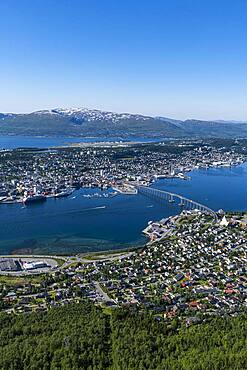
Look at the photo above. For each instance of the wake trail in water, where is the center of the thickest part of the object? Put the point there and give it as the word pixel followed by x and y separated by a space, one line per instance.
pixel 70 212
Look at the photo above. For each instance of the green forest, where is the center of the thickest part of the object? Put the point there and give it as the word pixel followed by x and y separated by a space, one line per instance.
pixel 82 336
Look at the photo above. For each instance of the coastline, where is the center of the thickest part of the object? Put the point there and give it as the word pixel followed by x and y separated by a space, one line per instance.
pixel 120 190
pixel 72 239
pixel 84 247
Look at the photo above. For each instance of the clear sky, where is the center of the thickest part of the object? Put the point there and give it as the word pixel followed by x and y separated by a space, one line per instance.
pixel 176 58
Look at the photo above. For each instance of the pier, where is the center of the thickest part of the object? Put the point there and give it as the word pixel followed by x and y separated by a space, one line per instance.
pixel 182 201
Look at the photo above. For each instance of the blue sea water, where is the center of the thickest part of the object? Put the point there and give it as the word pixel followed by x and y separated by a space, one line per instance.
pixel 80 224
pixel 12 142
pixel 219 187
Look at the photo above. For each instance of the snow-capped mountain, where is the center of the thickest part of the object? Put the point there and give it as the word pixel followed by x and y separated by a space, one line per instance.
pixel 79 122
pixel 95 115
pixel 97 123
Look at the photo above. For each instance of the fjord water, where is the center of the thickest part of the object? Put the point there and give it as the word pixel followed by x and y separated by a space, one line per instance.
pixel 80 224
pixel 219 187
pixel 13 142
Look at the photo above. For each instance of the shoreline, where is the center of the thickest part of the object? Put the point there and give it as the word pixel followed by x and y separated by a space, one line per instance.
pixel 39 247
pixel 182 176
pixel 94 251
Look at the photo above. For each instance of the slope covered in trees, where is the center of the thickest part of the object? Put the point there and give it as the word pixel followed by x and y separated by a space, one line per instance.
pixel 81 336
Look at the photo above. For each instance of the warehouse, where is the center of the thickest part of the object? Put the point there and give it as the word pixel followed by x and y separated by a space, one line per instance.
pixel 34 265
pixel 9 264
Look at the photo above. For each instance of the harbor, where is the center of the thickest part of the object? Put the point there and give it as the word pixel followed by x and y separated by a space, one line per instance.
pixel 82 224
pixel 33 175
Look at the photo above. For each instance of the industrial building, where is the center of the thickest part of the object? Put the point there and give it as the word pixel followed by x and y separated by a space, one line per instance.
pixel 9 264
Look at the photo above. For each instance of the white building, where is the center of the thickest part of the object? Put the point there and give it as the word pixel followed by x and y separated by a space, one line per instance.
pixel 34 265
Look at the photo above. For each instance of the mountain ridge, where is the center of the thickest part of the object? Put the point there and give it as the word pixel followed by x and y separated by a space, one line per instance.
pixel 87 122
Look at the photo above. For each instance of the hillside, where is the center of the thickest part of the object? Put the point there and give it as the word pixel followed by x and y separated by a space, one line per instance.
pixel 81 336
pixel 95 123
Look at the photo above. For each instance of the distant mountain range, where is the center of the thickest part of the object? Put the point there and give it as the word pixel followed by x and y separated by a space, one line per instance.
pixel 95 123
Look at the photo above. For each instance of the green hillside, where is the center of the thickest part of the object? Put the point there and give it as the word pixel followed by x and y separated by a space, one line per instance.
pixel 81 336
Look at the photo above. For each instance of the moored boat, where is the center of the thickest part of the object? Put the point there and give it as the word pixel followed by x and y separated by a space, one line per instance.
pixel 34 198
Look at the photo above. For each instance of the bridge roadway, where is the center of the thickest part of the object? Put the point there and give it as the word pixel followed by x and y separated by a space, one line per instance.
pixel 186 203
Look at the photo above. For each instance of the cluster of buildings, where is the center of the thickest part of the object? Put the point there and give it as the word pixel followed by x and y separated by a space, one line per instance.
pixel 34 175
pixel 60 287
pixel 16 266
pixel 192 267
pixel 197 270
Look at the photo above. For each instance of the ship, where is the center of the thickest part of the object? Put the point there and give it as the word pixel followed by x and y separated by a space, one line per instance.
pixel 63 193
pixel 36 198
pixel 126 190
pixel 182 176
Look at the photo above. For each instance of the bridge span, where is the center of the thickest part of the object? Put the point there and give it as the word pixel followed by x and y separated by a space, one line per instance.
pixel 182 201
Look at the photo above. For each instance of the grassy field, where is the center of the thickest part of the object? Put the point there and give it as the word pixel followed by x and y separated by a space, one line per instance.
pixel 21 280
pixel 109 253
pixel 59 261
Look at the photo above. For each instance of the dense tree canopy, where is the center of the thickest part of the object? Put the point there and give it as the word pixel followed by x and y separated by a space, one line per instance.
pixel 81 336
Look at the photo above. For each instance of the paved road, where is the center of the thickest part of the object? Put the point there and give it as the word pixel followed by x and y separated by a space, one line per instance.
pixel 103 294
pixel 105 257
pixel 51 261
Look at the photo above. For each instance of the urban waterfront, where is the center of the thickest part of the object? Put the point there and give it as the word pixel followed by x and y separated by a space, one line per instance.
pixel 82 224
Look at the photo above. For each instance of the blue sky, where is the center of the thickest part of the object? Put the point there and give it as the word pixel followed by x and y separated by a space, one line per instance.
pixel 177 58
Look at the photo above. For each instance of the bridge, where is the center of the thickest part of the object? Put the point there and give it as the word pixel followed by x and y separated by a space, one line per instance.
pixel 182 201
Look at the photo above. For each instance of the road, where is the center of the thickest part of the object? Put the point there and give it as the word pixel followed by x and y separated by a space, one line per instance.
pixel 101 293
pixel 53 264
